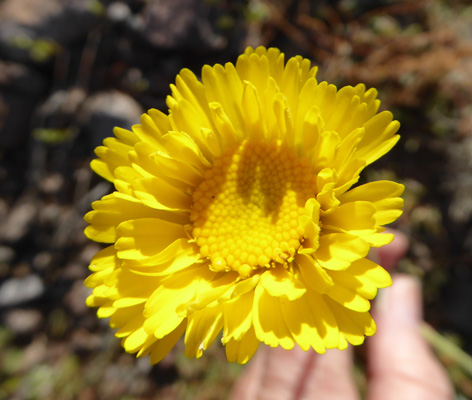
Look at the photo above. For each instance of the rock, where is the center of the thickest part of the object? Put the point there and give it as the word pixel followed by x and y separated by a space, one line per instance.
pixel 75 271
pixel 3 208
pixel 35 353
pixel 118 12
pixel 19 24
pixel 21 270
pixel 105 110
pixel 51 184
pixel 459 181
pixel 6 254
pixel 75 298
pixel 4 111
pixel 21 89
pixel 42 261
pixel 84 341
pixel 63 102
pixel 35 30
pixel 57 116
pixel 16 291
pixel 181 24
pixel 30 12
pixel 19 221
pixel 23 321
pixel 49 215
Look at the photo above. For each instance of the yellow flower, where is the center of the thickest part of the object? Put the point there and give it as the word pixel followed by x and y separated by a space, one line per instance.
pixel 235 213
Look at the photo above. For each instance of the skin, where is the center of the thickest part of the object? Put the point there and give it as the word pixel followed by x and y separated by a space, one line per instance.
pixel 400 363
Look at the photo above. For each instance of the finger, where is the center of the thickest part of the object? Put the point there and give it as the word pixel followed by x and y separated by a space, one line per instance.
pixel 275 374
pixel 390 255
pixel 278 374
pixel 248 384
pixel 331 377
pixel 401 364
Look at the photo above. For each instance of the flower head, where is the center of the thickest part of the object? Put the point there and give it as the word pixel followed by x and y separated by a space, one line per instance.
pixel 234 212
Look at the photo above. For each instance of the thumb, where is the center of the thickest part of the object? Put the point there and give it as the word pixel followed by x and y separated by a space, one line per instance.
pixel 401 364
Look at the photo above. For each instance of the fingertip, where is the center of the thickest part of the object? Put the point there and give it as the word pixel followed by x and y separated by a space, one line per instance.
pixel 390 255
pixel 400 303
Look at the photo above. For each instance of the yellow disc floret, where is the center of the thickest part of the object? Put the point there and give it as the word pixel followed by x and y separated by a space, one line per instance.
pixel 246 211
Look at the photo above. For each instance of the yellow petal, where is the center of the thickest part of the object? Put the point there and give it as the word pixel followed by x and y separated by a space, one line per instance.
pixel 174 291
pixel 153 125
pixel 161 321
pixel 345 155
pixel 358 284
pixel 106 310
pixel 242 350
pixel 283 120
pixel 159 194
pixel 342 105
pixel 189 88
pixel 127 289
pixel 291 82
pixel 384 195
pixel 181 146
pixel 104 260
pixel 143 159
pixel 224 86
pixel 366 269
pixel 349 297
pixel 175 257
pixel 268 322
pixel 224 125
pixel 241 287
pixel 378 239
pixel 136 340
pixel 356 218
pixel 323 97
pixel 146 237
pixel 161 123
pixel 326 324
pixel 113 154
pixel 313 275
pixel 202 329
pixel 324 153
pixel 127 320
pixel 354 106
pixel 177 169
pixel 379 137
pixel 354 326
pixel 254 68
pixel 302 324
pixel 311 227
pixel 326 197
pixel 278 282
pixel 252 110
pixel 185 117
pixel 208 292
pixel 338 251
pixel 108 213
pixel 237 316
pixel 162 346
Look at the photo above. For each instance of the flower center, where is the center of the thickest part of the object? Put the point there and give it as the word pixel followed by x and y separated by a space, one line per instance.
pixel 246 211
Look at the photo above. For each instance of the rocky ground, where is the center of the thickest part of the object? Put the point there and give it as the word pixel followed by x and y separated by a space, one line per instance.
pixel 71 70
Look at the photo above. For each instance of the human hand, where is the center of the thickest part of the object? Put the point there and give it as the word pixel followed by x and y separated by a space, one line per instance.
pixel 399 360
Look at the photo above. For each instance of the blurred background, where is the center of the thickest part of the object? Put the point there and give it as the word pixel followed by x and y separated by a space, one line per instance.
pixel 70 70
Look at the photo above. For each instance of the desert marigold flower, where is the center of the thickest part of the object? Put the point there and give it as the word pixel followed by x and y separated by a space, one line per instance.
pixel 235 213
